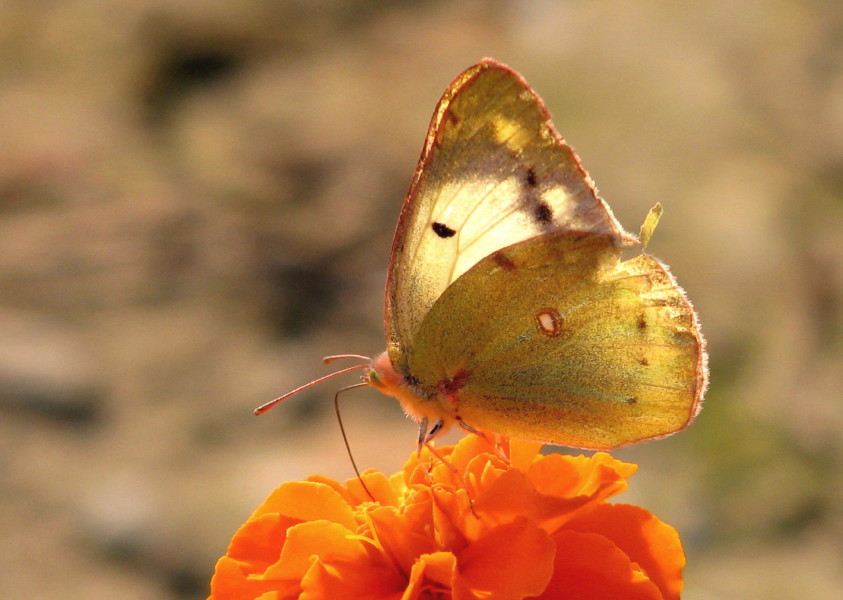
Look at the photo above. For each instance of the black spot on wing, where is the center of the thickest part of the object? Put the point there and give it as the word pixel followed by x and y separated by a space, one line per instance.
pixel 542 213
pixel 443 230
pixel 531 200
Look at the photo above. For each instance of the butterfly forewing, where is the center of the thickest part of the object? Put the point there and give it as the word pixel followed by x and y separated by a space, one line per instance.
pixel 493 172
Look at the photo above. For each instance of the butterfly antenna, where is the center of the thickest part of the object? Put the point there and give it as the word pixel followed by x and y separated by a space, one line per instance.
pixel 265 407
pixel 329 359
pixel 345 437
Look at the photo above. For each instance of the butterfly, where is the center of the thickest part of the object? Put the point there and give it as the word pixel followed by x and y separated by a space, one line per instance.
pixel 509 311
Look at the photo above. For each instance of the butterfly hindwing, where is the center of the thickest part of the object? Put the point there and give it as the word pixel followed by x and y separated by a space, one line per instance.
pixel 493 172
pixel 555 339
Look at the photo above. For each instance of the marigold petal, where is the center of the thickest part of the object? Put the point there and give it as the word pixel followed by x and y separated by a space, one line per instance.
pixel 431 573
pixel 588 566
pixel 509 496
pixel 406 535
pixel 652 544
pixel 230 582
pixel 450 464
pixel 453 521
pixel 323 539
pixel 510 562
pixel 600 475
pixel 471 447
pixel 255 546
pixel 586 481
pixel 513 494
pixel 523 453
pixel 416 472
pixel 308 501
pixel 334 485
pixel 350 579
pixel 330 562
pixel 378 484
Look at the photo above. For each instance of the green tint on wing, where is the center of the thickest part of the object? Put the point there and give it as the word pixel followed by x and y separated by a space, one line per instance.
pixel 554 339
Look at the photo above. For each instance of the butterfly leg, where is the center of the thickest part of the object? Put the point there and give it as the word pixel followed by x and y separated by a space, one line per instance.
pixel 500 443
pixel 469 428
pixel 427 435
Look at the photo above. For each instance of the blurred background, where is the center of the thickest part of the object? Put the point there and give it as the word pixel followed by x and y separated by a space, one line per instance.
pixel 197 201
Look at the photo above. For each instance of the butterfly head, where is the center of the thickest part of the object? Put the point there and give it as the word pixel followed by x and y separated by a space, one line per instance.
pixel 428 412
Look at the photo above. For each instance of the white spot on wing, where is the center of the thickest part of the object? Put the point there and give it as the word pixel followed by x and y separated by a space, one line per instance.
pixel 549 322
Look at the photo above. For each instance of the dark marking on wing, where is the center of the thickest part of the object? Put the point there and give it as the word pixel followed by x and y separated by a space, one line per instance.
pixel 443 230
pixel 631 400
pixel 644 362
pixel 531 201
pixel 542 213
pixel 450 386
pixel 449 122
pixel 412 380
pixel 642 322
pixel 503 261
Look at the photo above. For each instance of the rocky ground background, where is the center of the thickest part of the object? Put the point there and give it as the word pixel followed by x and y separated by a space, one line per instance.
pixel 197 201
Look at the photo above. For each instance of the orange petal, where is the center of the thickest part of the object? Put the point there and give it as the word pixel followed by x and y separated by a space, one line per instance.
pixel 469 448
pixel 599 476
pixel 378 484
pixel 356 579
pixel 510 562
pixel 314 539
pixel 308 501
pixel 333 484
pixel 332 563
pixel 578 482
pixel 231 583
pixel 522 453
pixel 590 567
pixel 452 518
pixel 513 494
pixel 257 544
pixel 430 574
pixel 647 541
pixel 406 535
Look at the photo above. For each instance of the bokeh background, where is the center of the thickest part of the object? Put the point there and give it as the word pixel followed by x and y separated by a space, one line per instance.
pixel 197 201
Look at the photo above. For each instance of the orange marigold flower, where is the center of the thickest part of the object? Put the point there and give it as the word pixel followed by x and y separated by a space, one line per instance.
pixel 503 523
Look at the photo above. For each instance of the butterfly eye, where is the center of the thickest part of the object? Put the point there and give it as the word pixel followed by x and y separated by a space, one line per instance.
pixel 372 378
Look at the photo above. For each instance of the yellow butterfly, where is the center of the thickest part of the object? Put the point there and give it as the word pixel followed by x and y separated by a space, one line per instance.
pixel 508 309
